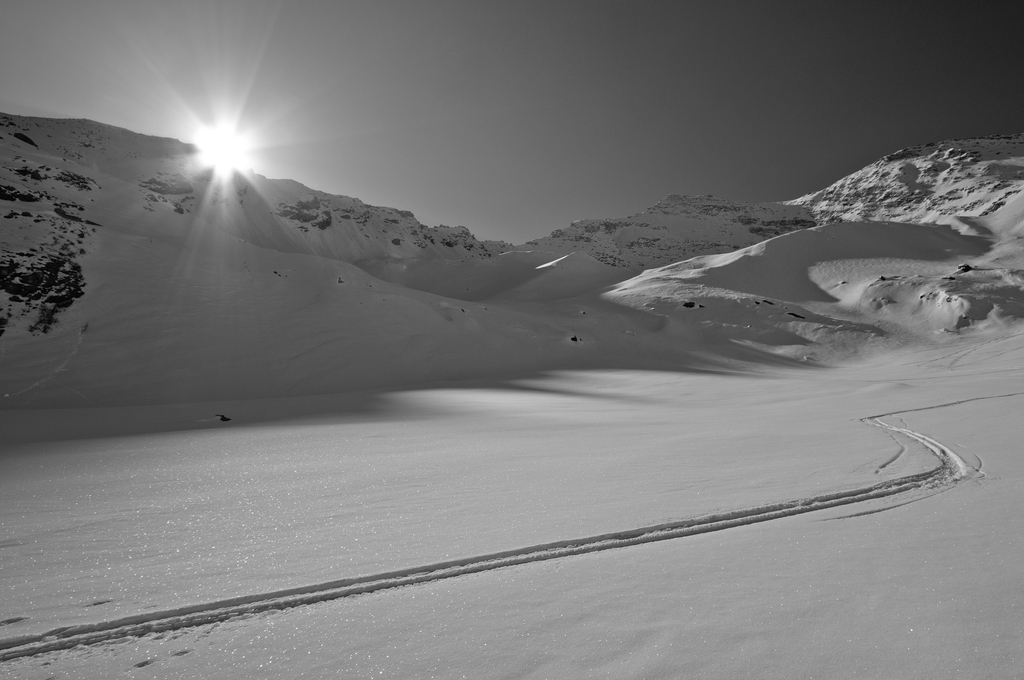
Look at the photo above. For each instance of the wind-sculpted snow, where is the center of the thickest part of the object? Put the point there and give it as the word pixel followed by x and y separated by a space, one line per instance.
pixel 949 470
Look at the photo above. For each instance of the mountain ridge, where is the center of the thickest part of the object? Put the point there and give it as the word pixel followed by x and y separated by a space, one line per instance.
pixel 129 273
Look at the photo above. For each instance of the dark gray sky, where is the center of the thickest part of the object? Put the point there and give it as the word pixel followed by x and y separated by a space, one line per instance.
pixel 514 118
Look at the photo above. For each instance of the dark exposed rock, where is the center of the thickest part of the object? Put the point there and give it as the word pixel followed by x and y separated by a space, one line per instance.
pixel 25 138
pixel 52 281
pixel 169 185
pixel 75 180
pixel 66 215
pixel 9 193
pixel 31 173
pixel 308 212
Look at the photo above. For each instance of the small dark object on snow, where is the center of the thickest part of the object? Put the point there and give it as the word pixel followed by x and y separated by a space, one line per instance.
pixel 575 339
pixel 796 315
pixel 964 268
pixel 223 418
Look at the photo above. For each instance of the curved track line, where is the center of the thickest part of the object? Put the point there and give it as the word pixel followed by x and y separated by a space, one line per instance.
pixel 894 458
pixel 951 469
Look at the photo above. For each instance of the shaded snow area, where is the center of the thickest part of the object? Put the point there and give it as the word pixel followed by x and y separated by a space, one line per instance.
pixel 253 430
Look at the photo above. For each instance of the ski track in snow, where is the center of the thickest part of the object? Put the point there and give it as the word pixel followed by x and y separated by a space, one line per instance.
pixel 950 470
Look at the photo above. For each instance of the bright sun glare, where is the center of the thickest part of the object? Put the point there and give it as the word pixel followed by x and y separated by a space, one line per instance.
pixel 224 148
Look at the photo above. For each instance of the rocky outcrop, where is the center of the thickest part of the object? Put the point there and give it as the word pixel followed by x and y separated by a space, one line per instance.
pixel 46 283
pixel 167 184
pixel 306 212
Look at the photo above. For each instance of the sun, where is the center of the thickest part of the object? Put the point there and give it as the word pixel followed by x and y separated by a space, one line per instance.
pixel 224 148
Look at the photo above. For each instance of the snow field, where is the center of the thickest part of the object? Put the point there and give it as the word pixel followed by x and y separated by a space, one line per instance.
pixel 549 497
pixel 924 590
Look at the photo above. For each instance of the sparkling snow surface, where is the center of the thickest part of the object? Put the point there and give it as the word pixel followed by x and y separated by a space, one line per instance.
pixel 922 590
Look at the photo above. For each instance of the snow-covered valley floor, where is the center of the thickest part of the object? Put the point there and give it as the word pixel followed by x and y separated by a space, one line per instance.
pixel 156 510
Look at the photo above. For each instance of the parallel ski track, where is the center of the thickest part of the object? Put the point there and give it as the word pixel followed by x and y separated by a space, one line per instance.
pixel 950 469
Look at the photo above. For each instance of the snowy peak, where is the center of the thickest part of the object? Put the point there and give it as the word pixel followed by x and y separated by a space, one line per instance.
pixel 933 182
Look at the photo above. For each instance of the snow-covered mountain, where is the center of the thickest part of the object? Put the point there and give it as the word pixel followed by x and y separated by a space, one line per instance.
pixel 129 273
pixel 936 182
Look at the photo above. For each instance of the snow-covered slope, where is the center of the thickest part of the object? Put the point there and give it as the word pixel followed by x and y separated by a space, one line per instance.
pixel 676 228
pixel 935 182
pixel 922 243
pixel 840 286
